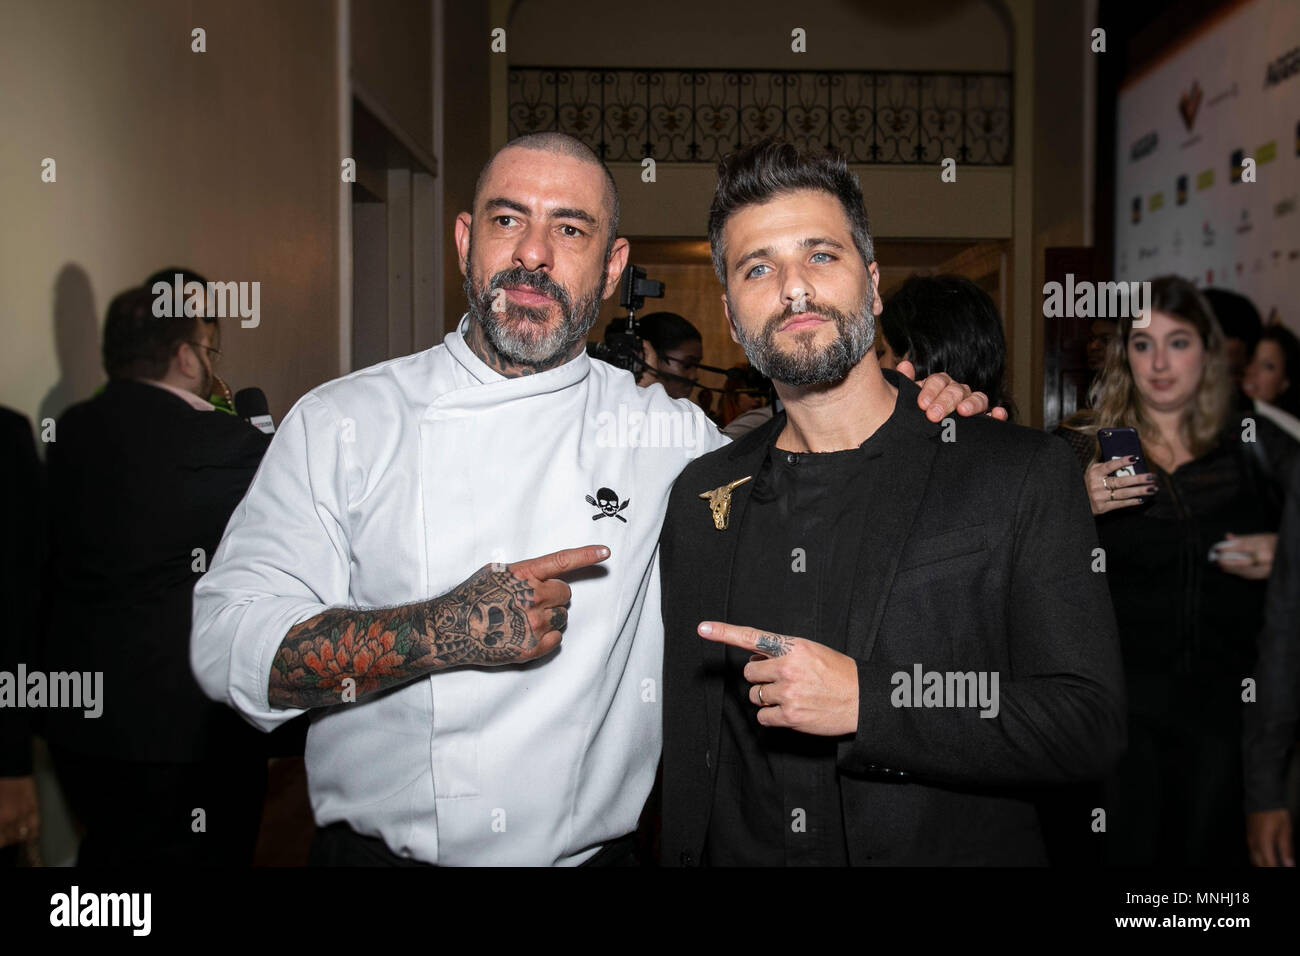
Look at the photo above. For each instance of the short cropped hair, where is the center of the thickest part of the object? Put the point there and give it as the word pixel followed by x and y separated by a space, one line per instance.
pixel 770 168
pixel 139 344
pixel 563 144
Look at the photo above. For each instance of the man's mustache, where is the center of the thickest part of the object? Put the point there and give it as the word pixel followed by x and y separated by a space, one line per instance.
pixel 537 281
pixel 825 311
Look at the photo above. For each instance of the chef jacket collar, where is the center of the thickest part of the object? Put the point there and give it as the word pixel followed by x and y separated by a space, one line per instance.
pixel 562 376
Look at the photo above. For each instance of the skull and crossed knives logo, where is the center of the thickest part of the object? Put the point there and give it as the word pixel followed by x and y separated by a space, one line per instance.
pixel 607 501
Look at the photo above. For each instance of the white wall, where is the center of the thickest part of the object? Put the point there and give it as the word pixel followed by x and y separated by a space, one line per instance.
pixel 224 161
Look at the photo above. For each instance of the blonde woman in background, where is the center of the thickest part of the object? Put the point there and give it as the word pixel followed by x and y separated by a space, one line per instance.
pixel 1188 549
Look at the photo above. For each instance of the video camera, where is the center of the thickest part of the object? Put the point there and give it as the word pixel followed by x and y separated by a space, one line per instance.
pixel 622 345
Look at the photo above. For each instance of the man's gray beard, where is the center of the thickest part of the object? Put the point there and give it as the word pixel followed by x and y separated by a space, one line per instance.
pixel 511 341
pixel 808 366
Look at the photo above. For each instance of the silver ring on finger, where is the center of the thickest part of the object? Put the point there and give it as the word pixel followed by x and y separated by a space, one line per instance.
pixel 1105 483
pixel 761 702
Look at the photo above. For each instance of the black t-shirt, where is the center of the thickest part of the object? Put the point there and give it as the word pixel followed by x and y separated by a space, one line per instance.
pixel 777 800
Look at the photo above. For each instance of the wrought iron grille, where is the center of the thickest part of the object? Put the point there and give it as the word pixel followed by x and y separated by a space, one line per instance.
pixel 680 115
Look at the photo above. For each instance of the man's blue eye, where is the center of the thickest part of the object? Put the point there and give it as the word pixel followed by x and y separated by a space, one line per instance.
pixel 751 272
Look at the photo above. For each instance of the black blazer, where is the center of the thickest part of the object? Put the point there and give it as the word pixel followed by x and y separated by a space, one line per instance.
pixel 137 481
pixel 21 550
pixel 979 558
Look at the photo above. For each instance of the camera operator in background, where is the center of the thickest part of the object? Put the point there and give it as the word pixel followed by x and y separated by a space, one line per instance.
pixel 142 480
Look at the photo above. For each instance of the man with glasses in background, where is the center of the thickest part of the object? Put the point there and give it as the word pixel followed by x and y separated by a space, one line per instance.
pixel 142 480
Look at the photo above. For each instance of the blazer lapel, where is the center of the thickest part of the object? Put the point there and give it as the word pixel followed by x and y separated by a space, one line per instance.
pixel 743 458
pixel 899 491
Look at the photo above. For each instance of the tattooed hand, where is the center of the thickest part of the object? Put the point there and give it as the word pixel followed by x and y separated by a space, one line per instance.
pixel 508 614
pixel 798 683
pixel 502 614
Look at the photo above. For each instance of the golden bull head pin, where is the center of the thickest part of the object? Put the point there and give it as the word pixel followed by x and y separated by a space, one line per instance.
pixel 720 502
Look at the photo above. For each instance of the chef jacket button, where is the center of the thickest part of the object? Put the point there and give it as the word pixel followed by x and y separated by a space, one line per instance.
pixel 687 859
pixel 792 458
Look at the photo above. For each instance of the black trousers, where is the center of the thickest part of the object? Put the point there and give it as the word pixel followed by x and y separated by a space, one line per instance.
pixel 339 845
pixel 144 814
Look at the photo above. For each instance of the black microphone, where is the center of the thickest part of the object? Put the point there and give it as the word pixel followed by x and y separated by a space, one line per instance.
pixel 250 405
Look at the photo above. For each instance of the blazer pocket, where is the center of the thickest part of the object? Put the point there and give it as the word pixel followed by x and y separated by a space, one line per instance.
pixel 922 552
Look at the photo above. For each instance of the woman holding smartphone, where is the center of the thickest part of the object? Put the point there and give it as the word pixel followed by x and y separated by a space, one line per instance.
pixel 1188 542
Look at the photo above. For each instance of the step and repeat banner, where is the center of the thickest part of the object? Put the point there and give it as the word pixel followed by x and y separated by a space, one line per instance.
pixel 1208 171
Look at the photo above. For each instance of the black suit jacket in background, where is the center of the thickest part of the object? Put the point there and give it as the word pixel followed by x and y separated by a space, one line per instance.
pixel 21 553
pixel 978 559
pixel 138 480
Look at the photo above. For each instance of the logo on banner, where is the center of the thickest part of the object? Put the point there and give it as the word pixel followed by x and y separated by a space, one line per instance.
pixel 1283 68
pixel 1144 146
pixel 1244 225
pixel 1189 103
pixel 1136 215
pixel 1181 191
pixel 1207 234
pixel 1284 208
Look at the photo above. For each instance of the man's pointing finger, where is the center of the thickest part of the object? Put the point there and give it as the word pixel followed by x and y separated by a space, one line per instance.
pixel 570 559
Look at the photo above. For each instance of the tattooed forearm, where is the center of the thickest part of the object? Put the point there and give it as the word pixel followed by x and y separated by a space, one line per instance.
pixel 484 620
pixel 773 645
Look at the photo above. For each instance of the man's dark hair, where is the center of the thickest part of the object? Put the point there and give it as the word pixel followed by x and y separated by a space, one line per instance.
pixel 169 276
pixel 667 330
pixel 1289 400
pixel 1237 316
pixel 139 344
pixel 947 323
pixel 770 168
pixel 562 144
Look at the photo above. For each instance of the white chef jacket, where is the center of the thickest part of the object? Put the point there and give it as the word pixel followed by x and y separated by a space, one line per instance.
pixel 393 485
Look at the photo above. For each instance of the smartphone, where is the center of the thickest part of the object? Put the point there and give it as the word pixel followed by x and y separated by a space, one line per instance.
pixel 1122 443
